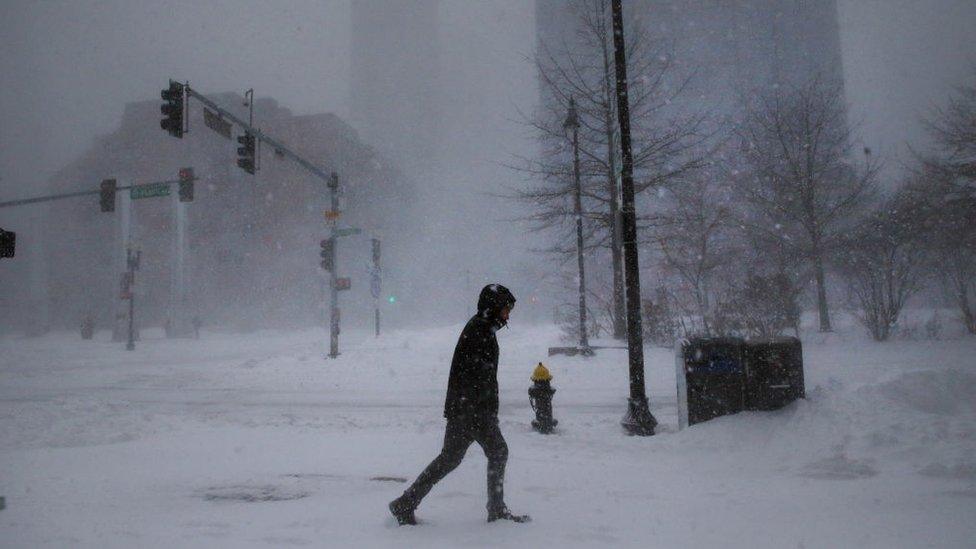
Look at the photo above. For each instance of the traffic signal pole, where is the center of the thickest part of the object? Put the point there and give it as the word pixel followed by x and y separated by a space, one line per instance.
pixel 124 243
pixel 249 161
pixel 375 283
pixel 179 323
pixel 25 201
pixel 261 136
pixel 109 197
pixel 132 264
pixel 52 197
pixel 376 310
pixel 333 278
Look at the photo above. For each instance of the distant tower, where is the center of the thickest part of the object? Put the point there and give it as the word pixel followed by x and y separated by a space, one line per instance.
pixel 395 68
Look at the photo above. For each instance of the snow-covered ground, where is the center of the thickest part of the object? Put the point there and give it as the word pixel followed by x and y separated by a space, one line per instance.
pixel 256 440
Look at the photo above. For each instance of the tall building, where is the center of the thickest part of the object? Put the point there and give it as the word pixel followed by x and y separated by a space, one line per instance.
pixel 433 84
pixel 394 78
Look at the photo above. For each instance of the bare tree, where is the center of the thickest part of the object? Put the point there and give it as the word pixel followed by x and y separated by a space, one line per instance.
pixel 760 306
pixel 954 130
pixel 802 186
pixel 882 262
pixel 693 238
pixel 958 268
pixel 944 194
pixel 581 68
pixel 943 211
pixel 661 323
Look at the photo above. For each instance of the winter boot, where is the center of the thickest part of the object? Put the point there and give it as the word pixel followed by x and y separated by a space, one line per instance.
pixel 402 512
pixel 505 514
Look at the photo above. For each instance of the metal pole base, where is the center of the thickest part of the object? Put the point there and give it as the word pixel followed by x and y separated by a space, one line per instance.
pixel 638 421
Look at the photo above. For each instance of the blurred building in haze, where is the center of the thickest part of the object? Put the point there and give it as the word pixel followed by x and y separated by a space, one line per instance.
pixel 395 79
pixel 252 256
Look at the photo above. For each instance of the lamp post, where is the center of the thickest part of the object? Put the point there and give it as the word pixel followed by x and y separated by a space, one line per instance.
pixel 249 102
pixel 572 123
pixel 638 420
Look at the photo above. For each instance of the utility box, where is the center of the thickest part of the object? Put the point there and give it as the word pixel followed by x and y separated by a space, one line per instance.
pixel 722 376
pixel 711 379
pixel 774 373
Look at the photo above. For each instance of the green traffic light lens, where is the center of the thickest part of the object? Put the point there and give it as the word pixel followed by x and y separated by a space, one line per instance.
pixel 392 299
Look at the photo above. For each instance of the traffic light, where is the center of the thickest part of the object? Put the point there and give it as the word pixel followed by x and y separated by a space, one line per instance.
pixel 186 184
pixel 106 196
pixel 246 152
pixel 8 243
pixel 328 254
pixel 172 109
pixel 376 252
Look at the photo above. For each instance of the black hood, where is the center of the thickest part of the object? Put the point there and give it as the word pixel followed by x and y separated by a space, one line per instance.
pixel 494 298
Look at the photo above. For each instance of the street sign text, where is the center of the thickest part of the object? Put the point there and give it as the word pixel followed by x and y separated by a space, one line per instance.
pixel 149 191
pixel 348 231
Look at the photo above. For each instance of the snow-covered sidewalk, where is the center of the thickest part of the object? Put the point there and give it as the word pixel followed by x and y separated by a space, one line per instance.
pixel 256 440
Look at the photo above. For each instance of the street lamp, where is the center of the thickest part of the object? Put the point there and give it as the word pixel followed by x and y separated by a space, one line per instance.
pixel 572 123
pixel 249 102
pixel 638 420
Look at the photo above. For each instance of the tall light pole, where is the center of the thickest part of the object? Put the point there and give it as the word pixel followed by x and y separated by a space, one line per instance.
pixel 376 282
pixel 572 123
pixel 249 102
pixel 638 420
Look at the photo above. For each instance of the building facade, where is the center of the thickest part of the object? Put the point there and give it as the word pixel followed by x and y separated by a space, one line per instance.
pixel 252 242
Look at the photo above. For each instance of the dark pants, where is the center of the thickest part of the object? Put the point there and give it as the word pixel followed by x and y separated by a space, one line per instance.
pixel 460 433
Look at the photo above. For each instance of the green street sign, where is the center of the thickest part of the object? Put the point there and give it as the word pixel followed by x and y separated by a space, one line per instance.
pixel 348 232
pixel 149 191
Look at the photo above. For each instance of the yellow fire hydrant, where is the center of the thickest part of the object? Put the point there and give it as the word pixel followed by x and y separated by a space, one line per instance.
pixel 540 397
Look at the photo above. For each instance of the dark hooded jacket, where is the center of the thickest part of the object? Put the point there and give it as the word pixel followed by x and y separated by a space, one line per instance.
pixel 472 389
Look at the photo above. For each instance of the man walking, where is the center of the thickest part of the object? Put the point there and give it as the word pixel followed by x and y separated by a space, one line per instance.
pixel 471 409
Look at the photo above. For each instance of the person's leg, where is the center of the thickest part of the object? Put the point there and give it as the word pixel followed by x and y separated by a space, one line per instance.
pixel 457 438
pixel 496 450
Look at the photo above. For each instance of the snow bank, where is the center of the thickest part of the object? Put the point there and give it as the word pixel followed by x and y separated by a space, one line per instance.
pixel 257 440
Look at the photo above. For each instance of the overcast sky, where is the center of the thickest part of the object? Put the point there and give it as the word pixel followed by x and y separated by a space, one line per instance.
pixel 902 58
pixel 68 67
